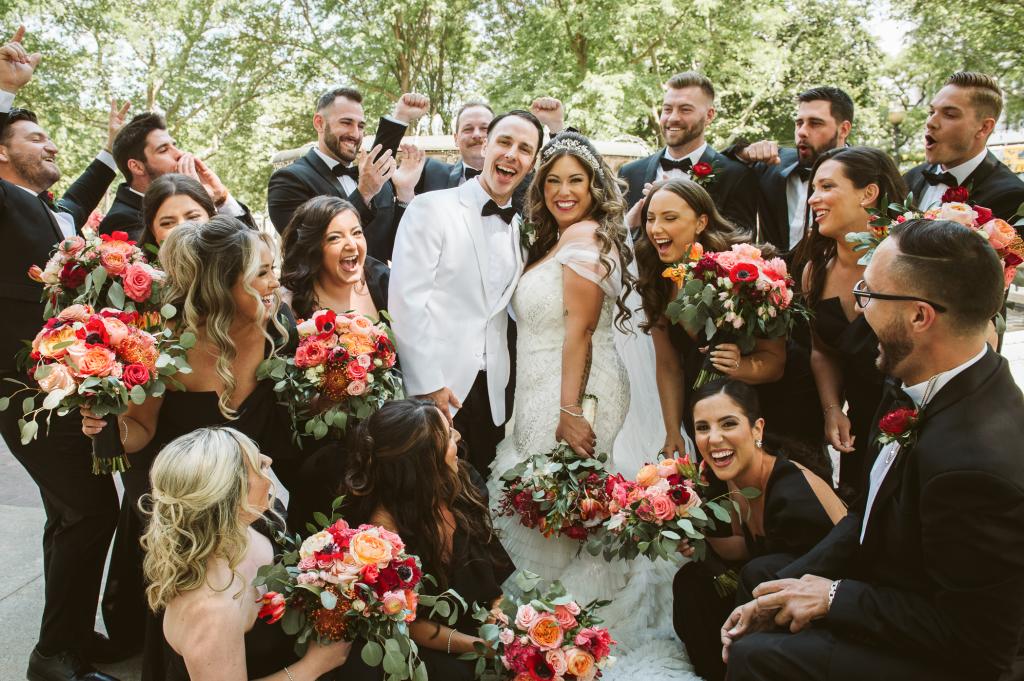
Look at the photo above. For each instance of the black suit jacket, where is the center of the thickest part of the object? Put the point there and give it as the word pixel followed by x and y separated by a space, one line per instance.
pixel 439 175
pixel 992 185
pixel 774 203
pixel 940 575
pixel 309 176
pixel 28 233
pixel 734 189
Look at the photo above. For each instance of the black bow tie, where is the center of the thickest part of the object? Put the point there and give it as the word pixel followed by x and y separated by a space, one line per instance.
pixel 469 173
pixel 342 169
pixel 670 164
pixel 896 396
pixel 934 178
pixel 506 214
pixel 805 173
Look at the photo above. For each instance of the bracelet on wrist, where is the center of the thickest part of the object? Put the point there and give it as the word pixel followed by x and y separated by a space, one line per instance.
pixel 450 634
pixel 289 673
pixel 829 408
pixel 564 410
pixel 123 425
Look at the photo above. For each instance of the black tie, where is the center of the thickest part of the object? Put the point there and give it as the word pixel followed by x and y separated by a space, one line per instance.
pixel 805 173
pixel 933 178
pixel 506 214
pixel 670 164
pixel 341 169
pixel 469 173
pixel 895 396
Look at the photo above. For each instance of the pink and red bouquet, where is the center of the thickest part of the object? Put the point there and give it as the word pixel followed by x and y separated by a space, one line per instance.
pixel 345 583
pixel 106 270
pixel 545 636
pixel 999 233
pixel 102 360
pixel 735 296
pixel 343 368
pixel 663 505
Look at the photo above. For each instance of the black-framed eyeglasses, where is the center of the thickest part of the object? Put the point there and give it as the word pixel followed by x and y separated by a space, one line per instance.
pixel 862 297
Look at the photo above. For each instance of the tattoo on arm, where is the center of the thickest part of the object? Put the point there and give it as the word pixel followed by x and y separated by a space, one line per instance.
pixel 586 371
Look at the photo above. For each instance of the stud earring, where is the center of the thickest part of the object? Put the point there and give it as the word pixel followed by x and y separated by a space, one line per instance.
pixel 757 443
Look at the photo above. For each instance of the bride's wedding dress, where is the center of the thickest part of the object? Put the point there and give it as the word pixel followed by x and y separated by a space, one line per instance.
pixel 640 615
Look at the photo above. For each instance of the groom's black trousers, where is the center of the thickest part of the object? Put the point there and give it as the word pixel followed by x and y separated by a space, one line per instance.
pixel 475 424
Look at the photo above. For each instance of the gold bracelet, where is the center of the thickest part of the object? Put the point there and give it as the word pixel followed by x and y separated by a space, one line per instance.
pixel 289 673
pixel 829 408
pixel 572 413
pixel 450 634
pixel 124 431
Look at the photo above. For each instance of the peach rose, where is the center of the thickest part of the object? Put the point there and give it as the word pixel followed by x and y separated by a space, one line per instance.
pixel 545 632
pixel 526 616
pixel 75 313
pixel 565 618
pixel 360 325
pixel 46 341
pixel 72 245
pixel 356 343
pixel 356 388
pixel 647 475
pixel 369 549
pixel 958 212
pixel 663 507
pixel 579 662
pixel 1000 233
pixel 393 602
pixel 116 330
pixel 115 263
pixel 94 361
pixel 556 660
pixel 137 282
pixel 667 467
pixel 306 328
pixel 58 378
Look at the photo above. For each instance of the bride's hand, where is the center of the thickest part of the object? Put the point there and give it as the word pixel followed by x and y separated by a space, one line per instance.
pixel 577 433
pixel 675 445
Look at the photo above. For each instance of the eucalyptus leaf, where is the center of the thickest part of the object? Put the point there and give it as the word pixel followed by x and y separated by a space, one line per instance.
pixel 115 294
pixel 372 654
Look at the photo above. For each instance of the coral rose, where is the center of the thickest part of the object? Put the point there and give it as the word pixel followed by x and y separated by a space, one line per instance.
pixel 579 662
pixel 355 371
pixel 311 352
pixel 368 548
pixel 92 361
pixel 545 632
pixel 647 475
pixel 58 378
pixel 135 374
pixel 663 508
pixel 565 618
pixel 71 245
pixel 113 262
pixel 137 282
pixel 47 340
pixel 1000 233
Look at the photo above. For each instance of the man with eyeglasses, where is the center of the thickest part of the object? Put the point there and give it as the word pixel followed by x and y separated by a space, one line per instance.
pixel 924 579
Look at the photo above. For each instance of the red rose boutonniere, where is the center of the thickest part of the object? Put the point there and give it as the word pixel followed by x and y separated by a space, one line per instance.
pixel 702 173
pixel 956 195
pixel 47 197
pixel 898 426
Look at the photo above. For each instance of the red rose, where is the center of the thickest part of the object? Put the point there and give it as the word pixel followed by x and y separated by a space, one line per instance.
pixel 575 532
pixel 135 374
pixel 702 169
pixel 984 214
pixel 955 195
pixel 898 421
pixel 1012 260
pixel 72 276
pixel 742 272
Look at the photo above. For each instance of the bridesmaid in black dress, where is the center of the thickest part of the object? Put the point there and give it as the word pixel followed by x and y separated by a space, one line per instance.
pixel 796 509
pixel 169 201
pixel 405 475
pixel 208 533
pixel 844 184
pixel 325 265
pixel 221 279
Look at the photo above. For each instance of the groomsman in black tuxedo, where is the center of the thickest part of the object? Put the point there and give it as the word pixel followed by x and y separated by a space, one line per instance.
pixel 144 150
pixel 824 117
pixel 328 169
pixel 958 166
pixel 81 508
pixel 688 107
pixel 924 580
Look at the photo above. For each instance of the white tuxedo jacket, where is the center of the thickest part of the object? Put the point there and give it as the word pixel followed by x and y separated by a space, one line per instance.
pixel 445 318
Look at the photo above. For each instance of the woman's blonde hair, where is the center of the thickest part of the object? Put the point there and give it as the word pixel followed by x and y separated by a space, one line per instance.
pixel 198 510
pixel 203 262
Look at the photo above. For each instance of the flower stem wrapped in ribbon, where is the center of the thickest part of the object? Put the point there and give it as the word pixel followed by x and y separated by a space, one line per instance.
pixel 345 583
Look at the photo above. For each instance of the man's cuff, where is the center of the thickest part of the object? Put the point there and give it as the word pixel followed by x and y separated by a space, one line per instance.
pixel 392 119
pixel 104 157
pixel 6 101
pixel 232 208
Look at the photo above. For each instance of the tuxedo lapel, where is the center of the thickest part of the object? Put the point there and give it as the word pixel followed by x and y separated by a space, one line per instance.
pixel 651 172
pixel 473 224
pixel 54 225
pixel 318 165
pixel 916 183
pixel 455 176
pixel 982 172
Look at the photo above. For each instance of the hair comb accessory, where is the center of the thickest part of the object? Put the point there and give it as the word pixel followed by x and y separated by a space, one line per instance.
pixel 575 148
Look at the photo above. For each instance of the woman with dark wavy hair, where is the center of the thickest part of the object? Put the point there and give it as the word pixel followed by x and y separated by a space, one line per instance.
pixel 404 474
pixel 325 262
pixel 844 184
pixel 170 200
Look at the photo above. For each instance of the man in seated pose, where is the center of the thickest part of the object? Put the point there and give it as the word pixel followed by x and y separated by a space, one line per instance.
pixel 925 580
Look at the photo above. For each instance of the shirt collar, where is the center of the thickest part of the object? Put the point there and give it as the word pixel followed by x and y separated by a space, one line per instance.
pixel 694 155
pixel 917 392
pixel 331 162
pixel 135 191
pixel 964 170
pixel 480 194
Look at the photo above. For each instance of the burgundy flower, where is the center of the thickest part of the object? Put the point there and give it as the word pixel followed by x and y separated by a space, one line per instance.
pixel 72 276
pixel 984 214
pixel 898 421
pixel 955 195
pixel 702 169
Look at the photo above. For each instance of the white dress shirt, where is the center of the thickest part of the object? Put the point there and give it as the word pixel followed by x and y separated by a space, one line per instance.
pixel 921 396
pixel 348 185
pixel 932 195
pixel 796 201
pixel 694 157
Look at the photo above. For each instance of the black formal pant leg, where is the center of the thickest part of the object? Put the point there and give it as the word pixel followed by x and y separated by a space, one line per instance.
pixel 761 569
pixel 698 612
pixel 81 513
pixel 476 425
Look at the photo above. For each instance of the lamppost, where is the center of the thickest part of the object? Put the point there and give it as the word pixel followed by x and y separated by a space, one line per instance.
pixel 896 117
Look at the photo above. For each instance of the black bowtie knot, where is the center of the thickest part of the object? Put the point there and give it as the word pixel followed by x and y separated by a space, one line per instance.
pixel 895 396
pixel 933 178
pixel 671 164
pixel 469 173
pixel 342 169
pixel 804 172
pixel 492 208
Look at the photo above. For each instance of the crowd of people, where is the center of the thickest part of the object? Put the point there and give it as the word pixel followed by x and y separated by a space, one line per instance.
pixel 517 280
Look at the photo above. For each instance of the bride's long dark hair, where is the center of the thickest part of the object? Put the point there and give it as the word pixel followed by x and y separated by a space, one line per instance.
pixel 608 211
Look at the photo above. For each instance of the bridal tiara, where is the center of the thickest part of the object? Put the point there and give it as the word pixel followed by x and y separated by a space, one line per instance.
pixel 576 149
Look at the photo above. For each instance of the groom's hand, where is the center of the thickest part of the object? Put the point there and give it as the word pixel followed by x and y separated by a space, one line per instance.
pixel 443 398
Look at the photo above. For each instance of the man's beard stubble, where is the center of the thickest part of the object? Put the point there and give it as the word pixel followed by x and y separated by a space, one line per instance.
pixel 895 346
pixel 34 170
pixel 332 142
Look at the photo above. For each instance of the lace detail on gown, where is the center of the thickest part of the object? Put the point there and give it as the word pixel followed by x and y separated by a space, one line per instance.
pixel 640 616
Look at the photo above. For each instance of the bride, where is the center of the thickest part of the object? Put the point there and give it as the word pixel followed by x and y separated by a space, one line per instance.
pixel 568 306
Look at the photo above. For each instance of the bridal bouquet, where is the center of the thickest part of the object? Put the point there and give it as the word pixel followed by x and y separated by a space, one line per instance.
pixel 653 513
pixel 107 270
pixel 345 583
pixel 542 635
pixel 999 233
pixel 734 296
pixel 344 367
pixel 103 361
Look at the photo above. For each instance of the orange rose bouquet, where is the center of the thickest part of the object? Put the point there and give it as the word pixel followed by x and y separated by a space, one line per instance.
pixel 541 635
pixel 345 583
pixel 106 270
pixel 342 369
pixel 104 361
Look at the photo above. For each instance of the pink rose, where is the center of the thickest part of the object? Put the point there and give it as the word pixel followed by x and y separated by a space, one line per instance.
pixel 355 371
pixel 360 324
pixel 667 467
pixel 58 378
pixel 137 282
pixel 958 212
pixel 566 620
pixel 664 508
pixel 393 602
pixel 311 352
pixel 94 361
pixel 526 616
pixel 556 660
pixel 1000 233
pixel 506 636
pixel 364 361
pixel 356 388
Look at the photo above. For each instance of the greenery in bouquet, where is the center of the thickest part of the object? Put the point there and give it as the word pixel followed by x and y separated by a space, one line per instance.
pixel 342 369
pixel 346 583
pixel 541 635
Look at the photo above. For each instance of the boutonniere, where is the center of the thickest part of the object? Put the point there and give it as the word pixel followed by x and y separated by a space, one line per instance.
pixel 47 197
pixel 899 425
pixel 956 195
pixel 702 173
pixel 527 234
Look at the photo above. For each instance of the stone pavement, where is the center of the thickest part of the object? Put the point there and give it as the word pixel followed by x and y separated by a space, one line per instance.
pixel 21 559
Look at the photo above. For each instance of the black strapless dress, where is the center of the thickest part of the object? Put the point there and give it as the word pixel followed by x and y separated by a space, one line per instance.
pixel 857 347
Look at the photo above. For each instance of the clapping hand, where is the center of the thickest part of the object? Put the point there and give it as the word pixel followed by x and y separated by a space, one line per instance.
pixel 548 111
pixel 375 169
pixel 16 64
pixel 633 216
pixel 408 172
pixel 410 107
pixel 764 151
pixel 115 121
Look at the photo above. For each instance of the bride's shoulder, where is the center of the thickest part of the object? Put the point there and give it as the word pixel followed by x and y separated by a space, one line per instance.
pixel 585 230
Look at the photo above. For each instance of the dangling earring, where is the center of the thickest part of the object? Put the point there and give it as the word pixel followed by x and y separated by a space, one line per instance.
pixel 757 443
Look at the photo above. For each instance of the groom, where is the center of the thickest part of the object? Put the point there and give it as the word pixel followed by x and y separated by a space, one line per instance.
pixel 457 260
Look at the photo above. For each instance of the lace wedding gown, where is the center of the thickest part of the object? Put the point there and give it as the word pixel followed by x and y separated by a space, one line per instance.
pixel 640 614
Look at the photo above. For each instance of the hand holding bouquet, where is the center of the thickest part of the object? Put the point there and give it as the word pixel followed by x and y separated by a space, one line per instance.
pixel 541 636
pixel 343 368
